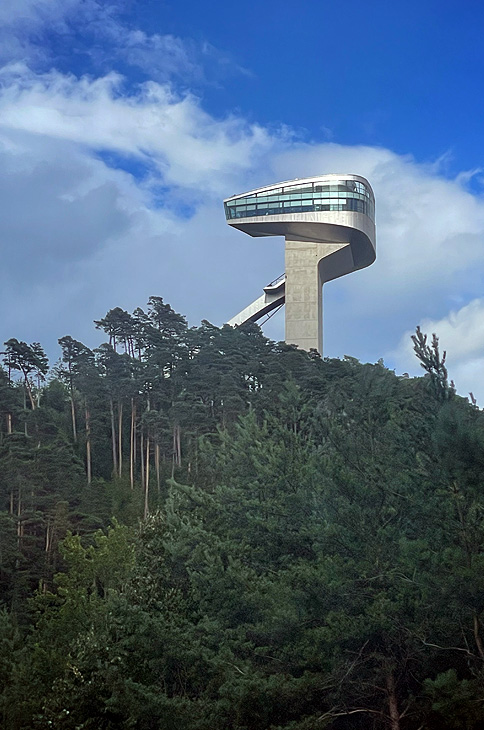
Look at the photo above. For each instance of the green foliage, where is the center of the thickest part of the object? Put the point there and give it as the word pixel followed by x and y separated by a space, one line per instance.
pixel 312 549
pixel 455 703
pixel 433 363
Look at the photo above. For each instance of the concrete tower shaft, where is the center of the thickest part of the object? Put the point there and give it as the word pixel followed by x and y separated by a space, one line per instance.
pixel 329 230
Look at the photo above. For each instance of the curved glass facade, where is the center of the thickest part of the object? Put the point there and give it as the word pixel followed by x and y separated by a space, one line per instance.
pixel 304 197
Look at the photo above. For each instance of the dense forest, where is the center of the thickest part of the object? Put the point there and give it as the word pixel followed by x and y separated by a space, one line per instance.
pixel 204 530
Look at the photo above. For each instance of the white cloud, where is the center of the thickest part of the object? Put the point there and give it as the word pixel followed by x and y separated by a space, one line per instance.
pixel 78 235
pixel 100 35
pixel 23 24
pixel 83 235
pixel 162 57
pixel 172 132
pixel 36 11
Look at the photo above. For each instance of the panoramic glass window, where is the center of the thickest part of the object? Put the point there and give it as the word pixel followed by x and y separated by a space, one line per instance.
pixel 304 197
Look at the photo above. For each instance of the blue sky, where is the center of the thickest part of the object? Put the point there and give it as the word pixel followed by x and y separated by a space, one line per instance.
pixel 404 77
pixel 124 124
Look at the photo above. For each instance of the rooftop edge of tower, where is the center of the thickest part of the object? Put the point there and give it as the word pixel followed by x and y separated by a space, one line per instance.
pixel 329 177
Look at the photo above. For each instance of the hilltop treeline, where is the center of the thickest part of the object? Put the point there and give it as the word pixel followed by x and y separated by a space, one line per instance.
pixel 204 530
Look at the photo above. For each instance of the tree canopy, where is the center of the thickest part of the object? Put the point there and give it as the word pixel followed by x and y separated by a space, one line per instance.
pixel 203 529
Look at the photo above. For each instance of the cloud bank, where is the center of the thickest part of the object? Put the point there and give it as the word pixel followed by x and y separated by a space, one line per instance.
pixel 111 191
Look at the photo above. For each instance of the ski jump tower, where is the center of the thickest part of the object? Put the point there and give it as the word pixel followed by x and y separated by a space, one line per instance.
pixel 328 223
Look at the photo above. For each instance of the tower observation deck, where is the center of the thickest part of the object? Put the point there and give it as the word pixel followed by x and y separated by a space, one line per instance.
pixel 328 223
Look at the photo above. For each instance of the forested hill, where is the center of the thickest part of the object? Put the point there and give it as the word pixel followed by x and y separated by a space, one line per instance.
pixel 204 530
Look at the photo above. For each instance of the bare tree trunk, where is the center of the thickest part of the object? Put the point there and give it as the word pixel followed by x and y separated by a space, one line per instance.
pixel 19 521
pixel 178 445
pixel 25 410
pixel 73 417
pixel 157 467
pixel 88 446
pixel 48 542
pixel 113 438
pixel 176 448
pixel 135 439
pixel 147 476
pixel 38 392
pixel 142 459
pixel 477 636
pixel 392 701
pixel 120 438
pixel 29 392
pixel 132 444
pixel 173 453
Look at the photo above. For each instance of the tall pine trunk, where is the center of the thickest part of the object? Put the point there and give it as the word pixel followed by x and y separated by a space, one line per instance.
pixel 120 438
pixel 157 467
pixel 19 520
pixel 176 448
pixel 145 463
pixel 113 438
pixel 132 443
pixel 392 701
pixel 25 410
pixel 73 417
pixel 147 477
pixel 29 392
pixel 477 635
pixel 142 459
pixel 88 444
